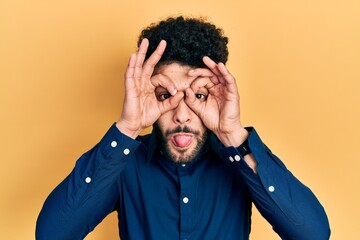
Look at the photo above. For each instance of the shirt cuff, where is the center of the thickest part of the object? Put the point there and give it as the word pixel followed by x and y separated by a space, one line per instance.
pixel 115 144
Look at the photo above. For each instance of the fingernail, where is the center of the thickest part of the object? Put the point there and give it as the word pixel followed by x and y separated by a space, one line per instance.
pixel 174 92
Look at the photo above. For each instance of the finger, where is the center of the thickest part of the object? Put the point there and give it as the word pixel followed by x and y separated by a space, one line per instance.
pixel 230 81
pixel 192 101
pixel 171 102
pixel 129 74
pixel 213 66
pixel 203 72
pixel 196 105
pixel 202 82
pixel 226 75
pixel 140 57
pixel 160 80
pixel 131 66
pixel 154 58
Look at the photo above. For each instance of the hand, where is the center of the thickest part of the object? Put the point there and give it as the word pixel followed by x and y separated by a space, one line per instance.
pixel 141 107
pixel 220 112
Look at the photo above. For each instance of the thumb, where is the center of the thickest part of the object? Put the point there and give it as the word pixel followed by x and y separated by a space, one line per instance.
pixel 171 102
pixel 192 101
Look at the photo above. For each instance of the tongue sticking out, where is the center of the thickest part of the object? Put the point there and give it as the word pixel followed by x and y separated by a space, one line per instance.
pixel 182 140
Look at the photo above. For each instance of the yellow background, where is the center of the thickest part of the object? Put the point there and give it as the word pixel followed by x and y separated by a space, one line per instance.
pixel 62 62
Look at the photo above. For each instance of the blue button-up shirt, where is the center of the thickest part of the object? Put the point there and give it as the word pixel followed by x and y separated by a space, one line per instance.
pixel 209 198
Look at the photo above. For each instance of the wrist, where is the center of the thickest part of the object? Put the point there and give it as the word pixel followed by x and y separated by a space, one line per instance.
pixel 234 138
pixel 124 129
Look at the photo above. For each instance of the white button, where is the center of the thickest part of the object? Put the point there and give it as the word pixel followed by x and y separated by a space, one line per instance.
pixel 231 158
pixel 126 151
pixel 183 165
pixel 237 158
pixel 271 189
pixel 185 200
pixel 88 179
pixel 113 144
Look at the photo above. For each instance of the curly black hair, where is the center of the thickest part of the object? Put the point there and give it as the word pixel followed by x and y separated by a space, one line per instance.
pixel 188 41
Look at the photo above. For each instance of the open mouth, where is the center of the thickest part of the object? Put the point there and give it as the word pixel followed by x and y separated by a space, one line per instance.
pixel 181 140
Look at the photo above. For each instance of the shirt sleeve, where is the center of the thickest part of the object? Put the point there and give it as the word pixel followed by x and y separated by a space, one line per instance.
pixel 288 205
pixel 89 193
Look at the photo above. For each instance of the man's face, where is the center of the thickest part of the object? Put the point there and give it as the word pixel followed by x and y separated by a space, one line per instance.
pixel 181 132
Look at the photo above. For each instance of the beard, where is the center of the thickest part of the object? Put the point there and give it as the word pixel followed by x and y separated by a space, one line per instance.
pixel 181 156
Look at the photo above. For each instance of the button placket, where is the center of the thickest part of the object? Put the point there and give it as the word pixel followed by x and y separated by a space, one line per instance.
pixel 126 151
pixel 113 144
pixel 185 202
pixel 88 179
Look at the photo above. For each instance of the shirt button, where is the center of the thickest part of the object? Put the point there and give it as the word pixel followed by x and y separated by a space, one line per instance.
pixel 183 165
pixel 88 179
pixel 237 158
pixel 113 144
pixel 231 158
pixel 126 151
pixel 271 189
pixel 185 200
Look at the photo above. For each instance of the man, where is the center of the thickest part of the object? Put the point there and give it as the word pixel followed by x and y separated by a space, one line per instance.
pixel 196 175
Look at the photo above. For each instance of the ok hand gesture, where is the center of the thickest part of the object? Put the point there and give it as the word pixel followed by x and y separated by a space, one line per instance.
pixel 221 111
pixel 141 108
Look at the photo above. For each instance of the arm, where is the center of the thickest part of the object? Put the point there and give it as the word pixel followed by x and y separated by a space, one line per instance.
pixel 221 111
pixel 90 192
pixel 288 205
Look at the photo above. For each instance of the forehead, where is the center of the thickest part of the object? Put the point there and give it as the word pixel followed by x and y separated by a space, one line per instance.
pixel 178 74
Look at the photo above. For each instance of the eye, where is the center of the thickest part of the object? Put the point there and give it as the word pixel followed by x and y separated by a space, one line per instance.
pixel 200 96
pixel 164 96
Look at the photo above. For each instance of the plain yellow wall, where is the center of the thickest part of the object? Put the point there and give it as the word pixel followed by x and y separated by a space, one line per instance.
pixel 297 64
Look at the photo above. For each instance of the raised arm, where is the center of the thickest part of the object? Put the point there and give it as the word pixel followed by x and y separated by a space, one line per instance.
pixel 288 205
pixel 221 111
pixel 90 192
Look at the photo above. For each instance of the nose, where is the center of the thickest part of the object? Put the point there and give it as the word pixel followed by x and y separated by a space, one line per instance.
pixel 182 113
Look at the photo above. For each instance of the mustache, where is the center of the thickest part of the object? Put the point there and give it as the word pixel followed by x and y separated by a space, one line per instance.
pixel 180 129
